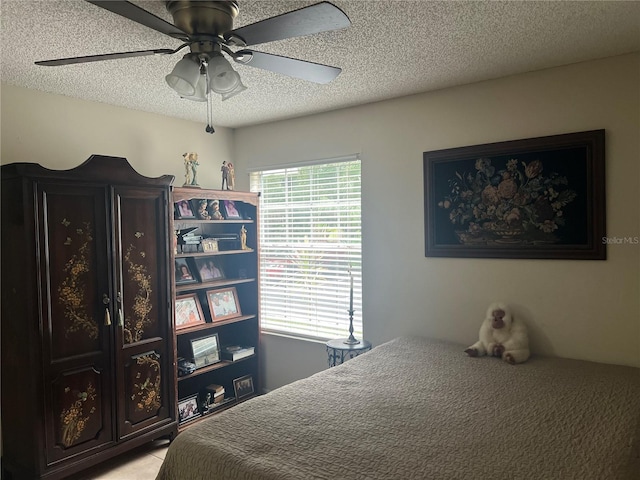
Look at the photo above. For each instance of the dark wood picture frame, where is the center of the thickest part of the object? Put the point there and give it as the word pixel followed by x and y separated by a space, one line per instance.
pixel 188 409
pixel 209 270
pixel 183 209
pixel 185 277
pixel 224 303
pixel 188 311
pixel 533 198
pixel 205 350
pixel 243 387
pixel 231 210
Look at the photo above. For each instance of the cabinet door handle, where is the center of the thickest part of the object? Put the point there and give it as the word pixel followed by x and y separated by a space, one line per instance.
pixel 107 316
pixel 120 314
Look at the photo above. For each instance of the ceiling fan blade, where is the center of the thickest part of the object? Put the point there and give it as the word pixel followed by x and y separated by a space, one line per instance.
pixel 107 56
pixel 313 72
pixel 141 16
pixel 321 17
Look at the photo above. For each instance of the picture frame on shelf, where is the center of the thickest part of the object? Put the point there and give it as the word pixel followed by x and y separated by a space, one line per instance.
pixel 188 409
pixel 243 387
pixel 538 197
pixel 208 269
pixel 188 311
pixel 231 210
pixel 223 303
pixel 183 210
pixel 209 245
pixel 184 272
pixel 206 350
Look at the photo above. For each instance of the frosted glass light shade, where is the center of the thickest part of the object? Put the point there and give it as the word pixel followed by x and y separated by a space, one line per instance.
pixel 184 77
pixel 239 88
pixel 200 94
pixel 223 78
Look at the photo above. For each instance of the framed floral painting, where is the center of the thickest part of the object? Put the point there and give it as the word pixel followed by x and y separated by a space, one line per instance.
pixel 533 198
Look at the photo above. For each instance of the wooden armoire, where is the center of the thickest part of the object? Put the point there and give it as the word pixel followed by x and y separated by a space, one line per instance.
pixel 88 353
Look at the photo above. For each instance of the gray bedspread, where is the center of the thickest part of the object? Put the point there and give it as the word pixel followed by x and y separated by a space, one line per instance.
pixel 415 408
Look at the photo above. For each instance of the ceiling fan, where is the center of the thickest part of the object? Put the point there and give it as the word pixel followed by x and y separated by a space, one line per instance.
pixel 206 27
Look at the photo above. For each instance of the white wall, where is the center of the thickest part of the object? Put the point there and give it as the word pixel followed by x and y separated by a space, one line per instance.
pixel 60 133
pixel 579 309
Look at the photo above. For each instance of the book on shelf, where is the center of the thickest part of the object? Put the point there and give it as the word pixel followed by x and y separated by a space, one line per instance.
pixel 213 394
pixel 214 406
pixel 214 389
pixel 236 352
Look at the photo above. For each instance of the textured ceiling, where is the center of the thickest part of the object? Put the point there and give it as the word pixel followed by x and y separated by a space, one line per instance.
pixel 393 48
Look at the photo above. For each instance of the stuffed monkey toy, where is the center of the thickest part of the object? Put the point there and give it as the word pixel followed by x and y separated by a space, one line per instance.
pixel 501 335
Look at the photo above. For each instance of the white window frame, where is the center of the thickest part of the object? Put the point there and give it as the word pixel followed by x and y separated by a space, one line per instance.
pixel 295 300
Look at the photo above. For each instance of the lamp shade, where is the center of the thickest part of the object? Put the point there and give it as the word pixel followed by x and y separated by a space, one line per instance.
pixel 184 77
pixel 239 88
pixel 223 78
pixel 200 94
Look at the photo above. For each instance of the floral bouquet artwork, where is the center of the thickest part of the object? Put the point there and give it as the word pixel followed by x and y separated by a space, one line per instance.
pixel 518 202
pixel 538 197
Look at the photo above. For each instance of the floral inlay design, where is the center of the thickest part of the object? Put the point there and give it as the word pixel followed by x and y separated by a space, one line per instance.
pixel 516 204
pixel 74 418
pixel 135 324
pixel 146 393
pixel 71 290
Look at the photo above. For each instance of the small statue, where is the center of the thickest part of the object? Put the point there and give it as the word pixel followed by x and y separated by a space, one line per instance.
pixel 187 171
pixel 214 207
pixel 243 239
pixel 206 404
pixel 202 210
pixel 191 169
pixel 225 175
pixel 231 178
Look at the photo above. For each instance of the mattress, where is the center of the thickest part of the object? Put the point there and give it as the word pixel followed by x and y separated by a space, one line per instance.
pixel 416 408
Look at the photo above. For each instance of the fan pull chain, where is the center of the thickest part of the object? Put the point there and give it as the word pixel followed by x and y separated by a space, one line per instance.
pixel 209 128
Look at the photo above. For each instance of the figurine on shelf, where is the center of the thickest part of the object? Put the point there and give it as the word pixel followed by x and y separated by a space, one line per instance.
pixel 231 178
pixel 191 169
pixel 225 175
pixel 206 403
pixel 243 239
pixel 214 208
pixel 202 210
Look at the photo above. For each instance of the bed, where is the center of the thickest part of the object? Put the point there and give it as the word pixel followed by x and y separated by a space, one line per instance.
pixel 415 408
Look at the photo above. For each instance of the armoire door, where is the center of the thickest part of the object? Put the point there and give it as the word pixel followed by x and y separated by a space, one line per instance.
pixel 144 362
pixel 74 291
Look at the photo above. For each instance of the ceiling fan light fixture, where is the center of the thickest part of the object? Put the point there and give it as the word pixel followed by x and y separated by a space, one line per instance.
pixel 185 76
pixel 200 94
pixel 239 88
pixel 223 79
pixel 206 27
pixel 225 83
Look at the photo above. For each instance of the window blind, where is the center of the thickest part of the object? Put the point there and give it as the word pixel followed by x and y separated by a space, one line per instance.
pixel 310 244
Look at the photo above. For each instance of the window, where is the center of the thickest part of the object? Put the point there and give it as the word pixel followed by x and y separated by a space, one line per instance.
pixel 310 244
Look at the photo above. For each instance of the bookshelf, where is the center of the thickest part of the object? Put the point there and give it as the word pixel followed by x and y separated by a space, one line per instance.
pixel 227 272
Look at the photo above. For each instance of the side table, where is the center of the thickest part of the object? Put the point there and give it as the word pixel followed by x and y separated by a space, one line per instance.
pixel 339 351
